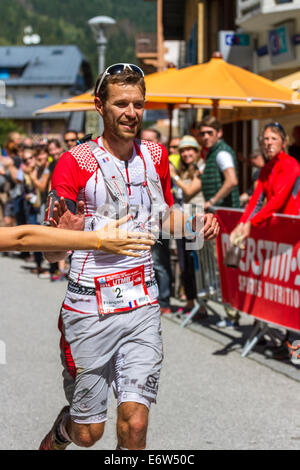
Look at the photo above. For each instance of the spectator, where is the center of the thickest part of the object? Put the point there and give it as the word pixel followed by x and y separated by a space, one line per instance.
pixel 70 139
pixel 27 176
pixel 257 161
pixel 174 156
pixel 151 134
pixel 27 142
pixel 14 210
pixel 195 132
pixel 219 183
pixel 40 177
pixel 161 250
pixel 3 189
pixel 55 150
pixel 278 183
pixel 188 180
pixel 277 191
pixel 294 149
pixel 80 135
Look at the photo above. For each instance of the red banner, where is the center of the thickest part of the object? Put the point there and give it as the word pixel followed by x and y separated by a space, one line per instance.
pixel 267 282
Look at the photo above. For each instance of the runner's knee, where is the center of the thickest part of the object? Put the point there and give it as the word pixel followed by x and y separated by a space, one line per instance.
pixel 86 435
pixel 132 425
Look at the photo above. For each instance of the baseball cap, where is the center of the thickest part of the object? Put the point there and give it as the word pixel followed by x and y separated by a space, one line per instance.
pixel 188 141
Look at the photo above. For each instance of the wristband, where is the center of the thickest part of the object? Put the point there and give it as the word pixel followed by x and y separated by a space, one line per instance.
pixel 176 177
pixel 99 240
pixel 212 201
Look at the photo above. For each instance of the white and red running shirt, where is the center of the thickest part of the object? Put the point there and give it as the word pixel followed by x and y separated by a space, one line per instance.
pixel 77 177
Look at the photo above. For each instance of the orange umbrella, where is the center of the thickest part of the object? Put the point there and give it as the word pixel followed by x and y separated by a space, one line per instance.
pixel 65 107
pixel 216 81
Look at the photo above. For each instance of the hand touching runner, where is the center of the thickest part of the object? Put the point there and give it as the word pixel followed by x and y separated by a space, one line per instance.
pixel 112 239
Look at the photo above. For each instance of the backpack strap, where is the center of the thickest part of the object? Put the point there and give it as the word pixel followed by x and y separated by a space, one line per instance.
pixel 111 175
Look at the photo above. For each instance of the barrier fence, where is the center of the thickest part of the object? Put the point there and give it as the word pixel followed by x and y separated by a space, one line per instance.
pixel 266 285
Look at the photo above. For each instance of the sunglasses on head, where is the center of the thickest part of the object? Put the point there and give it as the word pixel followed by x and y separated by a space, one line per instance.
pixel 278 126
pixel 115 69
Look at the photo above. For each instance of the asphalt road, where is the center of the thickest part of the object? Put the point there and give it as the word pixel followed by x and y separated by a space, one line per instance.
pixel 205 401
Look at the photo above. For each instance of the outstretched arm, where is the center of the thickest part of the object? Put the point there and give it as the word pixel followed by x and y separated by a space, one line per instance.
pixel 110 239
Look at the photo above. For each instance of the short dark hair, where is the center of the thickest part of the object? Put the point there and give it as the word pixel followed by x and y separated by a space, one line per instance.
pixel 56 142
pixel 73 132
pixel 127 77
pixel 39 148
pixel 156 132
pixel 211 121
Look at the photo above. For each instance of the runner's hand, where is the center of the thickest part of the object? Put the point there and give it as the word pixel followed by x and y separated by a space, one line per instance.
pixel 121 242
pixel 64 218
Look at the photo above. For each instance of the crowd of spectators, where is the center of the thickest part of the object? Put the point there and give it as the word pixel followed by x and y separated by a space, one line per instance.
pixel 26 167
pixel 204 172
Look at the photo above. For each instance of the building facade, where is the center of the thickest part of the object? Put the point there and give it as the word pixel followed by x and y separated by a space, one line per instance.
pixel 38 76
pixel 274 26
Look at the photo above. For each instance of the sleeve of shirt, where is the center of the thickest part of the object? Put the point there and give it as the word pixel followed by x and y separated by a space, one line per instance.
pixel 255 203
pixel 67 177
pixel 20 175
pixel 163 170
pixel 224 160
pixel 282 191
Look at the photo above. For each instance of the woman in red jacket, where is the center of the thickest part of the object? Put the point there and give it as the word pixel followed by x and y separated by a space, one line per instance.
pixel 278 186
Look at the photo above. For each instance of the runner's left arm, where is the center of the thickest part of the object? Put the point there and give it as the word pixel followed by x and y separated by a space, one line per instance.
pixel 177 223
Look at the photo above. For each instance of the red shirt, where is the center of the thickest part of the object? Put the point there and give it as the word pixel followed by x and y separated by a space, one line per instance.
pixel 75 168
pixel 279 184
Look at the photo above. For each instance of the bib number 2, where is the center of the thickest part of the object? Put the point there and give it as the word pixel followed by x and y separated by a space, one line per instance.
pixel 122 291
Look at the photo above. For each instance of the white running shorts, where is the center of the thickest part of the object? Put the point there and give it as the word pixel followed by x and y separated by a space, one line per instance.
pixel 122 350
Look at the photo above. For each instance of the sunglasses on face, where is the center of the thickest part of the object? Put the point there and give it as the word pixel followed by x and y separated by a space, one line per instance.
pixel 115 69
pixel 70 140
pixel 203 133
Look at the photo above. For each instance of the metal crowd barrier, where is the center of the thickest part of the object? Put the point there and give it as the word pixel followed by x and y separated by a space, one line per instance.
pixel 207 277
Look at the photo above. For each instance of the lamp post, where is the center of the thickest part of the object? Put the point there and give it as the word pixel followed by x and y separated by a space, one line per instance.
pixel 99 25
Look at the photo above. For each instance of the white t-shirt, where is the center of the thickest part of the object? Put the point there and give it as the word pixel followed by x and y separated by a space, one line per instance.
pixel 224 160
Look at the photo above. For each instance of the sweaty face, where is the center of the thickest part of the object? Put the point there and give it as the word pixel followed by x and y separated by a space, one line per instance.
pixel 123 111
pixel 273 144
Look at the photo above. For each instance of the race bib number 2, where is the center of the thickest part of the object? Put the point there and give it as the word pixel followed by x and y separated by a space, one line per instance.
pixel 122 291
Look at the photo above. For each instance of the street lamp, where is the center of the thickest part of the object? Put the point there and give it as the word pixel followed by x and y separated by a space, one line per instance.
pixel 99 25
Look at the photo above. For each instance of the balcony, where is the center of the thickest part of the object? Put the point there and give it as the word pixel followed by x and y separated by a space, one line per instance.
pixel 261 15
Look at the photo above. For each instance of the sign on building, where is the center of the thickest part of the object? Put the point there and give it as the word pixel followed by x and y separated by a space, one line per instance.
pixel 236 48
pixel 281 47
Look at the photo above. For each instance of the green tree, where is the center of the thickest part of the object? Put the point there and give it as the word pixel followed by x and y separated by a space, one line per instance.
pixel 7 126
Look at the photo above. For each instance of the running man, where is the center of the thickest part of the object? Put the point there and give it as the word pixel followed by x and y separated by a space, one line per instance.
pixel 110 317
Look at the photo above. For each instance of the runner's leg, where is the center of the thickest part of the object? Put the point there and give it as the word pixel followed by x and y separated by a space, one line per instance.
pixel 132 424
pixel 85 435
